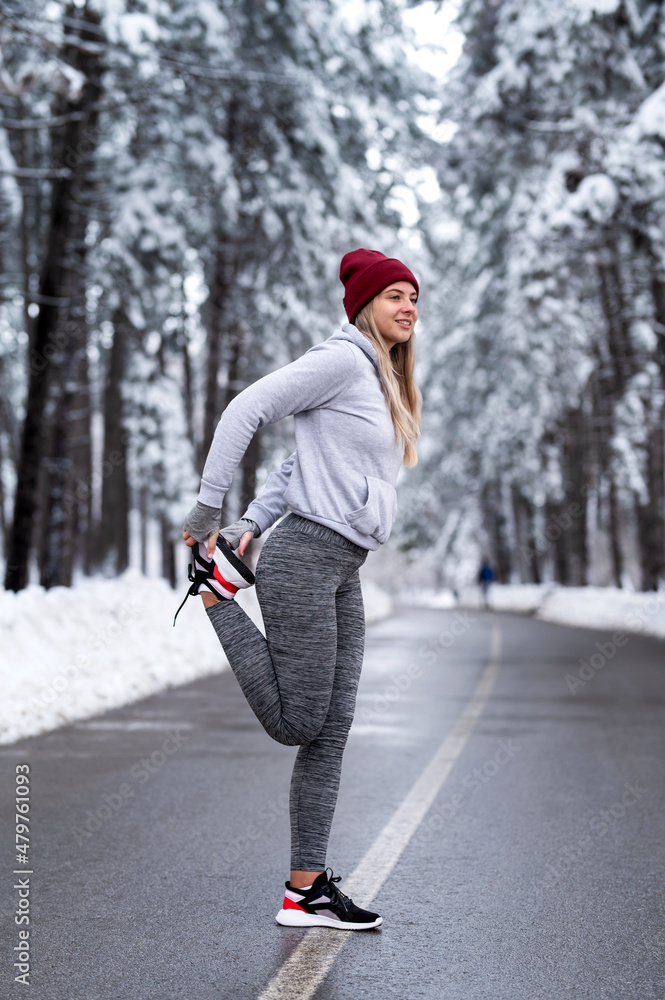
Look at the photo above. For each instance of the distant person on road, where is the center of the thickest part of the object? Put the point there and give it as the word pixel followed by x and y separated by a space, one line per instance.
pixel 485 577
pixel 357 419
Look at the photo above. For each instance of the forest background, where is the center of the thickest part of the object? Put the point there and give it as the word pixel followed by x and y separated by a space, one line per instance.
pixel 178 182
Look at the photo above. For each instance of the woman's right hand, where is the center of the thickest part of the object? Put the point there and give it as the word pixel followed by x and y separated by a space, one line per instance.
pixel 204 521
pixel 211 543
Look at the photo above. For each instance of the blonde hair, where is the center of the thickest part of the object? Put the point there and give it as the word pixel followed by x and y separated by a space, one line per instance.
pixel 396 365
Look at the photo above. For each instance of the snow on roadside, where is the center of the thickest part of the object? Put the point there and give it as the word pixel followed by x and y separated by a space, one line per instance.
pixel 377 603
pixel 69 653
pixel 606 608
pixel 585 607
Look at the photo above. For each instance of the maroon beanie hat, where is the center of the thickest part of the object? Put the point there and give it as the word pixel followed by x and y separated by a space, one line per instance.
pixel 365 273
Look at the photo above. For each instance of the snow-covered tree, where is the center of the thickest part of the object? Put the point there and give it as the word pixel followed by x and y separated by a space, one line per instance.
pixel 550 306
pixel 222 159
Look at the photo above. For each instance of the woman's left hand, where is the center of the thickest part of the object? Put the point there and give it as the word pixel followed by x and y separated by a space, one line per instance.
pixel 189 539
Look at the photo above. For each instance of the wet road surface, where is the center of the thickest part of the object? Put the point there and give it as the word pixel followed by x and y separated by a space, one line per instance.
pixel 522 817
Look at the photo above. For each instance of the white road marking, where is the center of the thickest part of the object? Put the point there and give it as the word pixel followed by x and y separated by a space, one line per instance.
pixel 301 974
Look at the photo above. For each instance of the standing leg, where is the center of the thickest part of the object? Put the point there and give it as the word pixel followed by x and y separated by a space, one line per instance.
pixel 316 773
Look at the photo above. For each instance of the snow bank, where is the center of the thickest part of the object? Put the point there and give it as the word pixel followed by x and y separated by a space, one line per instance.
pixel 68 653
pixel 605 608
pixel 585 607
pixel 377 603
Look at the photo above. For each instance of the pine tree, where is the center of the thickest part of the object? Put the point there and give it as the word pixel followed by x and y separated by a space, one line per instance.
pixel 541 349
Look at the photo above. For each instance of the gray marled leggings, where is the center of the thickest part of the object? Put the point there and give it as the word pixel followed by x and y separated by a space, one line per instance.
pixel 301 680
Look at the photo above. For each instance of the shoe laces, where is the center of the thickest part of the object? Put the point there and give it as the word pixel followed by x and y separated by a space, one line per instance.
pixel 336 895
pixel 197 577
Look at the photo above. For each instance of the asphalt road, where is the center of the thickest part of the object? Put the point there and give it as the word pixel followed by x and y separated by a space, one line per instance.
pixel 159 832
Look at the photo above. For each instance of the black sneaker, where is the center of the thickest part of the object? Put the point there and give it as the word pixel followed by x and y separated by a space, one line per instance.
pixel 323 905
pixel 225 574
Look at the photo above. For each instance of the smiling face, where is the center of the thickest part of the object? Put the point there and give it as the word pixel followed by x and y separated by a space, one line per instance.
pixel 395 312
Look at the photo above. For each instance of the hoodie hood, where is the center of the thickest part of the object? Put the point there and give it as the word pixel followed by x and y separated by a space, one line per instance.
pixel 348 331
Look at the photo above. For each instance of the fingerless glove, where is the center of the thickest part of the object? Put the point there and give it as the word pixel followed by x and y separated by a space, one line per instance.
pixel 234 532
pixel 202 521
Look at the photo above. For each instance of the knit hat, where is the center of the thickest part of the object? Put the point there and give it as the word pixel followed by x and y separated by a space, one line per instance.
pixel 365 273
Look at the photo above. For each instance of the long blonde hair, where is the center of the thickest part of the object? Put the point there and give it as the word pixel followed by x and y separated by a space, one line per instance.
pixel 396 366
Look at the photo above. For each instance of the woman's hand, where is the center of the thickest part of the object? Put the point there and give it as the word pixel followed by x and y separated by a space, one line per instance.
pixel 234 533
pixel 212 541
pixel 211 544
pixel 244 542
pixel 204 522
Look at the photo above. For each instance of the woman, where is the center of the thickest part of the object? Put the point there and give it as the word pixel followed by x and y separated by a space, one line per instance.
pixel 357 414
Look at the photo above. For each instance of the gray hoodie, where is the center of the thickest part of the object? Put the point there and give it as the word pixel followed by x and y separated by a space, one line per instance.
pixel 345 465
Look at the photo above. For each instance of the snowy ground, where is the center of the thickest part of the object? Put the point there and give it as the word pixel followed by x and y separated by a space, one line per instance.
pixel 587 607
pixel 68 653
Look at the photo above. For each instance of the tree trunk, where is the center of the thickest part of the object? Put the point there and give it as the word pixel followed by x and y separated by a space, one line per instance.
pixel 54 345
pixel 572 518
pixel 658 296
pixel 168 553
pixel 535 575
pixel 113 547
pixel 650 526
pixel 220 281
pixel 615 530
pixel 613 303
pixel 187 381
pixel 603 392
pixel 555 542
pixel 79 499
pixel 527 555
pixel 27 223
pixel 651 517
pixel 143 529
pixel 61 487
pixel 496 526
pixel 3 520
pixel 234 336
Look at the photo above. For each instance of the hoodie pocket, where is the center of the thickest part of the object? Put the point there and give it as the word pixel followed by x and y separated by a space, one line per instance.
pixel 375 518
